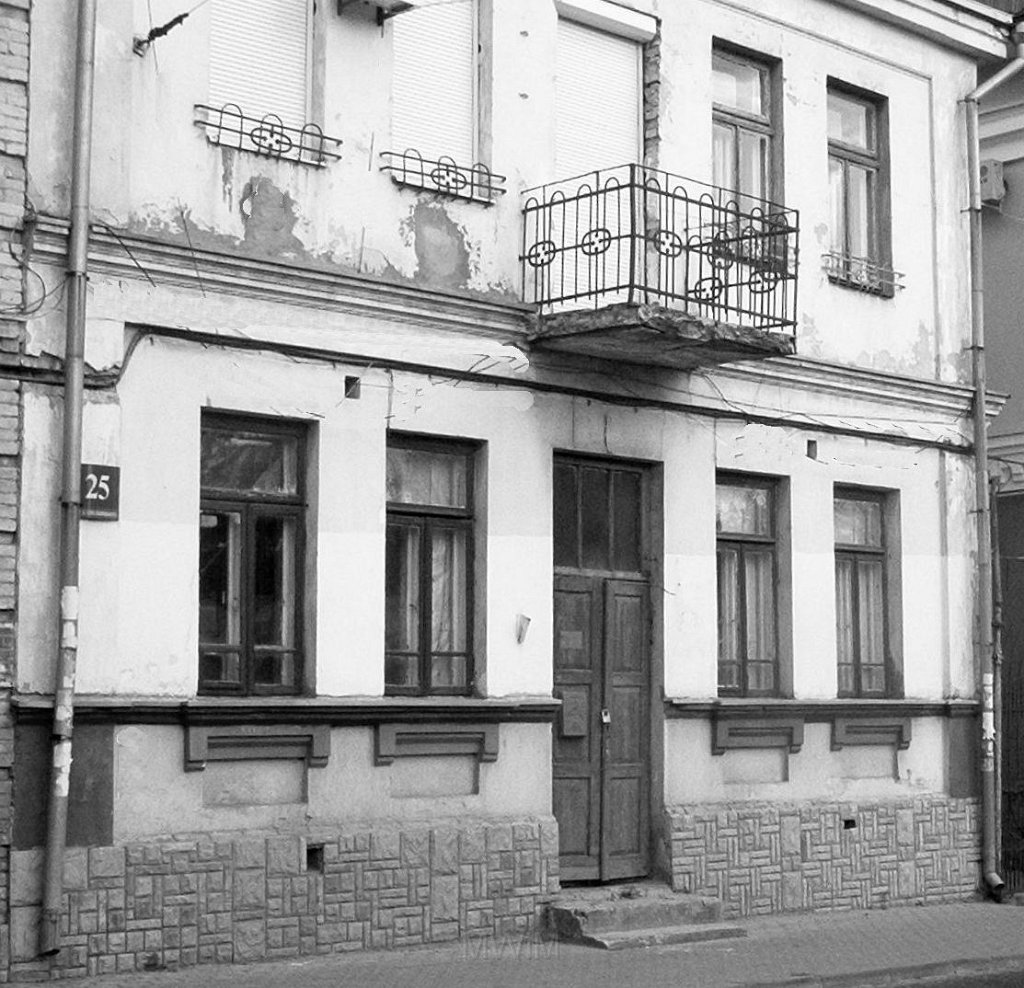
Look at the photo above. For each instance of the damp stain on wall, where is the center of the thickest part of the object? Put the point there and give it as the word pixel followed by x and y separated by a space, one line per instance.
pixel 442 252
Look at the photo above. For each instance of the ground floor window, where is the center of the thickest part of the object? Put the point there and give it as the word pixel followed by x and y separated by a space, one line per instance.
pixel 429 567
pixel 251 525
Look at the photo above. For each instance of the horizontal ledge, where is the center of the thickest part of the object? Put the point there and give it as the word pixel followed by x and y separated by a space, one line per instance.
pixel 329 711
pixel 814 711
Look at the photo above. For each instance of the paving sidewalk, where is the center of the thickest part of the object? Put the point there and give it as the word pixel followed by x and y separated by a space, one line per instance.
pixel 844 950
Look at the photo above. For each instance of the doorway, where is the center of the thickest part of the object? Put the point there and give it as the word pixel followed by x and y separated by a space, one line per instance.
pixel 602 669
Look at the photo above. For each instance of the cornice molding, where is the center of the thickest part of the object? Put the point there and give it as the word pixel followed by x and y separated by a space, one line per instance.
pixel 131 254
pixel 876 392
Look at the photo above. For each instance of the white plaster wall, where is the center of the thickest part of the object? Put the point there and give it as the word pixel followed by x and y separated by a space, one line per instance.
pixel 876 772
pixel 155 172
pixel 155 796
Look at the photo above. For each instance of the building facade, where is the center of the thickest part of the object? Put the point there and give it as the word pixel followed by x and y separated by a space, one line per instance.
pixel 471 504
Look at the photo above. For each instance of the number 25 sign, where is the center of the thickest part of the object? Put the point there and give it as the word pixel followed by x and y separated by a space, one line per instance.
pixel 101 491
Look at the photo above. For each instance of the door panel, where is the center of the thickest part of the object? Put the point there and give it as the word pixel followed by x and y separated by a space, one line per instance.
pixel 624 824
pixel 601 671
pixel 577 740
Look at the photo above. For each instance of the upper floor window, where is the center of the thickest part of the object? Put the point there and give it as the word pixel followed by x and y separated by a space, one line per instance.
pixel 429 567
pixel 747 578
pixel 744 125
pixel 866 594
pixel 598 99
pixel 259 57
pixel 251 522
pixel 435 84
pixel 859 191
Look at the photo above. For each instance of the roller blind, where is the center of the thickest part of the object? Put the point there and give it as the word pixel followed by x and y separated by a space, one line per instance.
pixel 258 57
pixel 597 100
pixel 434 81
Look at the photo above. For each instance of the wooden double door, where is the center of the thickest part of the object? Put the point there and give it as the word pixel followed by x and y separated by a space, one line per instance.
pixel 601 670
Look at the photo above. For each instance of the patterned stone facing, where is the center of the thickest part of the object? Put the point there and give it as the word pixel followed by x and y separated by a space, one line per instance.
pixel 220 899
pixel 760 859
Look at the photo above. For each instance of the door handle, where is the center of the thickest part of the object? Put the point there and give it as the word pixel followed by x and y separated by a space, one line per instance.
pixel 606 717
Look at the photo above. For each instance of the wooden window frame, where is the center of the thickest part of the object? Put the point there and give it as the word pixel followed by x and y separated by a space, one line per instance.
pixel 741 543
pixel 250 508
pixel 843 270
pixel 888 553
pixel 767 124
pixel 430 516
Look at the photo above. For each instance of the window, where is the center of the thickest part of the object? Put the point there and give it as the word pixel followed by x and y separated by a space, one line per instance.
pixel 745 519
pixel 259 57
pixel 743 126
pixel 866 595
pixel 859 192
pixel 429 567
pixel 598 100
pixel 250 556
pixel 435 83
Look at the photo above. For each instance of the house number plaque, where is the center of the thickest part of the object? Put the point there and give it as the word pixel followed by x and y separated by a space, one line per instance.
pixel 101 492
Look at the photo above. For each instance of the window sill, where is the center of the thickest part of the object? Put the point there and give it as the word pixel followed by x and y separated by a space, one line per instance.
pixel 475 183
pixel 779 723
pixel 267 136
pixel 336 711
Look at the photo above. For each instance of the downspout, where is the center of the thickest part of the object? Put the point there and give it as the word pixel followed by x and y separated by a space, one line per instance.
pixel 982 500
pixel 74 368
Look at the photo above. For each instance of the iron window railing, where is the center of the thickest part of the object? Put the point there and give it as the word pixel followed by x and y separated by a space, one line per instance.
pixel 444 176
pixel 636 234
pixel 229 126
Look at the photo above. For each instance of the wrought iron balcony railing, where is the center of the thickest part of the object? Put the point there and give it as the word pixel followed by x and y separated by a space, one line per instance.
pixel 635 234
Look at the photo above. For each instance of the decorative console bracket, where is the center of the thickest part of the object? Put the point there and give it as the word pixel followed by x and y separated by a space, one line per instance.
pixel 874 730
pixel 406 740
pixel 235 742
pixel 774 732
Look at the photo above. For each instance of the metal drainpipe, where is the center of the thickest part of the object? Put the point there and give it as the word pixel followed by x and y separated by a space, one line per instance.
pixel 983 505
pixel 74 366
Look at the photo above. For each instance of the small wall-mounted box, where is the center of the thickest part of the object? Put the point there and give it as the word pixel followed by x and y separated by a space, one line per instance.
pixel 993 189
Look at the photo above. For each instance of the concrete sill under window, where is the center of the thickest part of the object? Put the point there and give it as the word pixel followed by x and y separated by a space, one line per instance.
pixel 774 723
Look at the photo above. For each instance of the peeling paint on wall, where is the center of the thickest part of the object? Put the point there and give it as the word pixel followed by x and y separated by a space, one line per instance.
pixel 269 217
pixel 442 250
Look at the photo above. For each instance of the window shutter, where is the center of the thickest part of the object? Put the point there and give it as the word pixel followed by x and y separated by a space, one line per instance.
pixel 597 102
pixel 258 57
pixel 434 81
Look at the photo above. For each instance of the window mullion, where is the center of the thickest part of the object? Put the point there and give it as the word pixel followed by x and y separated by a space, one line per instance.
pixel 247 566
pixel 741 607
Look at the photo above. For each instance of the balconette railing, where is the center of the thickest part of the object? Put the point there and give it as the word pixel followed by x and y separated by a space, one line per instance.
pixel 638 235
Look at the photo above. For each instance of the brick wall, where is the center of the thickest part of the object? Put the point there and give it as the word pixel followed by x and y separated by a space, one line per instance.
pixel 14 55
pixel 761 859
pixel 233 898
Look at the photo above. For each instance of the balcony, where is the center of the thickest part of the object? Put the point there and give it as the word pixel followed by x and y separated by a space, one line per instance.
pixel 634 264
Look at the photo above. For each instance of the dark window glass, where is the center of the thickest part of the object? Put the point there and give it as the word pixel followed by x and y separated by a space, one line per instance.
pixel 596 523
pixel 747 636
pixel 626 514
pixel 250 530
pixel 743 128
pixel 566 515
pixel 861 632
pixel 428 568
pixel 858 177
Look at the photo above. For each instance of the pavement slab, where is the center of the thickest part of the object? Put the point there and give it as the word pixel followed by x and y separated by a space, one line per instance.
pixel 833 950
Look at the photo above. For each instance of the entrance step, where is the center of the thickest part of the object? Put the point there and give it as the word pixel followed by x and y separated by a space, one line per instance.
pixel 636 914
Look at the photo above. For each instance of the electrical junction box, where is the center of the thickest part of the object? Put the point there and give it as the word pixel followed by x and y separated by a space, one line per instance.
pixel 993 189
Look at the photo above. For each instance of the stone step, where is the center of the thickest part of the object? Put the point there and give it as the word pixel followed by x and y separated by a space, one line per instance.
pixel 662 935
pixel 647 906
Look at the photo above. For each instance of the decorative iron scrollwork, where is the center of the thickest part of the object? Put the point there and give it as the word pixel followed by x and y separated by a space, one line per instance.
pixel 444 176
pixel 668 243
pixel 708 289
pixel 663 239
pixel 541 254
pixel 268 136
pixel 595 241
